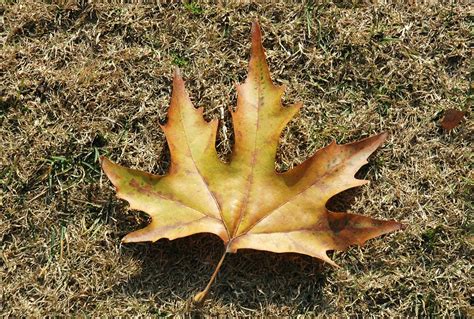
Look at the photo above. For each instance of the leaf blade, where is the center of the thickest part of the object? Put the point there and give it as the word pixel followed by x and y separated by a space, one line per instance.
pixel 163 203
pixel 338 232
pixel 246 202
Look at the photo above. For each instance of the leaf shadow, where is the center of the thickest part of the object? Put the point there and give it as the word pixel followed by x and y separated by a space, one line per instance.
pixel 173 271
pixel 251 280
pixel 343 201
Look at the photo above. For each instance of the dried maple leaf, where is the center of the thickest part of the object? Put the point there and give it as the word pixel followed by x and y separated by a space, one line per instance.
pixel 246 202
pixel 452 118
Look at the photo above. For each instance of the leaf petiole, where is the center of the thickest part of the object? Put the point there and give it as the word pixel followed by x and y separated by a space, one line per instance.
pixel 201 296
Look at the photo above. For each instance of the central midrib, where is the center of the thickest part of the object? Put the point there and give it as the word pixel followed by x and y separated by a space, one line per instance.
pixel 252 167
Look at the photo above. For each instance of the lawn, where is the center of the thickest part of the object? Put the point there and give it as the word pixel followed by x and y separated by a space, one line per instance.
pixel 80 82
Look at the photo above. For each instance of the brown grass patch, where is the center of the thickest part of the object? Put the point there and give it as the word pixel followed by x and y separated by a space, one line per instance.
pixel 79 82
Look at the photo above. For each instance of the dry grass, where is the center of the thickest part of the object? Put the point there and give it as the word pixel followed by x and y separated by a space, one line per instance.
pixel 80 82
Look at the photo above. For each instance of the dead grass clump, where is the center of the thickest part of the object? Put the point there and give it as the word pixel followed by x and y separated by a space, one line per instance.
pixel 79 82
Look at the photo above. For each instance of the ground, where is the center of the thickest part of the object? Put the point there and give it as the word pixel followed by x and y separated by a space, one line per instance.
pixel 80 82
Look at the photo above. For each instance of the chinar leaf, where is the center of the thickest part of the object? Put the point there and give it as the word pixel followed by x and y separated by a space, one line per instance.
pixel 246 202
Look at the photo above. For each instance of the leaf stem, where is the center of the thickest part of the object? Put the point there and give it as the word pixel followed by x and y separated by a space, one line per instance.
pixel 201 296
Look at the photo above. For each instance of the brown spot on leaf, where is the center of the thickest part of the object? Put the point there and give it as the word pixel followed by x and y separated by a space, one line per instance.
pixel 141 188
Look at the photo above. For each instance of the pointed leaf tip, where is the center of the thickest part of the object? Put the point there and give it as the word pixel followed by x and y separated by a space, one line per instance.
pixel 256 38
pixel 177 78
pixel 256 31
pixel 177 72
pixel 178 89
pixel 105 164
pixel 258 66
